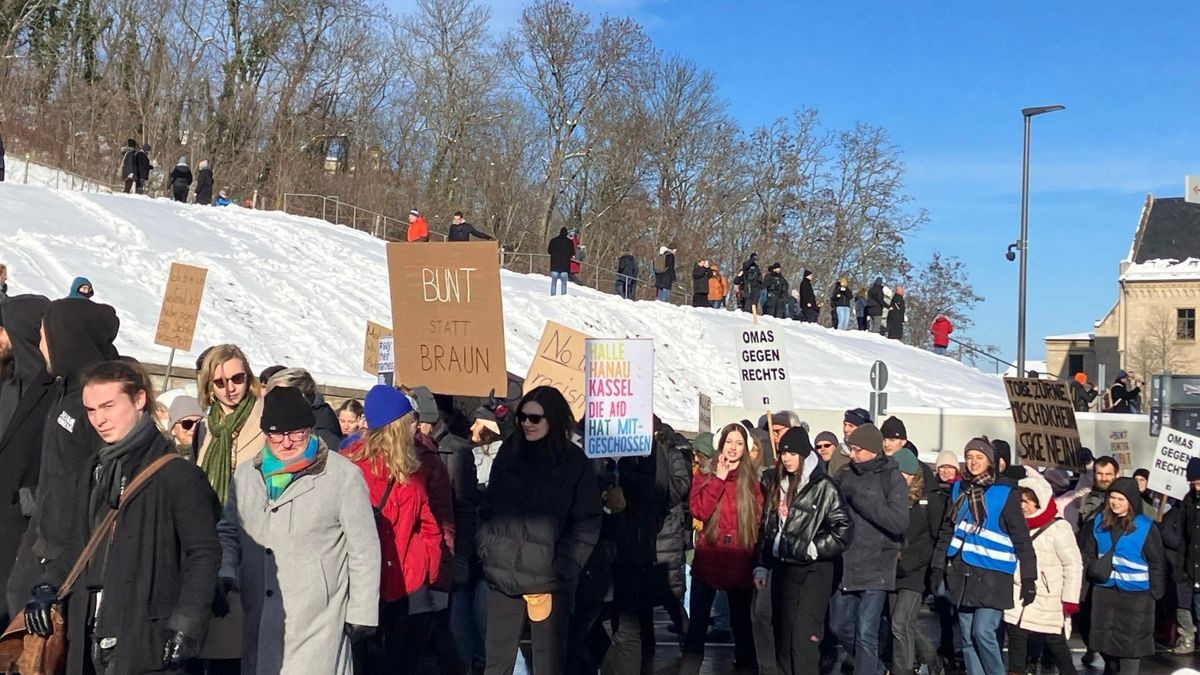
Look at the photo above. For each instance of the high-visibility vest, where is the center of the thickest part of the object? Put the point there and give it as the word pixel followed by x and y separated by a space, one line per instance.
pixel 985 545
pixel 1130 571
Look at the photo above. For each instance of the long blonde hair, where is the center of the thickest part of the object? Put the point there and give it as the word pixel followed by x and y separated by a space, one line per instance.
pixel 749 508
pixel 215 358
pixel 395 445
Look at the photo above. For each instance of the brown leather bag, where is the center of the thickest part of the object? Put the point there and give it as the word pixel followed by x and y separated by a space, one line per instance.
pixel 24 653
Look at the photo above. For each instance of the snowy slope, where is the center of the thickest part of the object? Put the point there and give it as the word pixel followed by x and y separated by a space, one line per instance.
pixel 298 291
pixel 18 170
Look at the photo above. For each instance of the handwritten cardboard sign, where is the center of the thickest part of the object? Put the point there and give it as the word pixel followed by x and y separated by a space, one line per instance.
pixel 620 397
pixel 180 307
pixel 1044 417
pixel 558 362
pixel 705 413
pixel 447 298
pixel 371 346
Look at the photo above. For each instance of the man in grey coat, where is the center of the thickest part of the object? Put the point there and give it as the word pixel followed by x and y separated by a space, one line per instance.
pixel 299 538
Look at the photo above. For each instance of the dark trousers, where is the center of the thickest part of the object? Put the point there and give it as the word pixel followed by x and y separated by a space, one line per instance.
pixel 800 597
pixel 739 622
pixel 180 192
pixel 855 619
pixel 130 183
pixel 1018 641
pixel 506 620
pixel 910 647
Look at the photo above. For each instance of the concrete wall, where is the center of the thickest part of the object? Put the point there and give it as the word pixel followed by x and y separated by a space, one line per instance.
pixel 934 429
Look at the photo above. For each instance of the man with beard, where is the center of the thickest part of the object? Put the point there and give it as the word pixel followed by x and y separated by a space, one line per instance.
pixel 1104 471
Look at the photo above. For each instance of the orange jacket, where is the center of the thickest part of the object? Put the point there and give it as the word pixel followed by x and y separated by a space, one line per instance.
pixel 718 287
pixel 418 230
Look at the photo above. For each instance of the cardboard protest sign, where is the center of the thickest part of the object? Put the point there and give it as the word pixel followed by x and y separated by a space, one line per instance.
pixel 558 362
pixel 447 298
pixel 762 369
pixel 620 397
pixel 705 413
pixel 1168 471
pixel 1044 418
pixel 371 346
pixel 180 307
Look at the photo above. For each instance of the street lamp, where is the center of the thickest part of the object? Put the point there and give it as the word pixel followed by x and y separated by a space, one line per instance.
pixel 1023 243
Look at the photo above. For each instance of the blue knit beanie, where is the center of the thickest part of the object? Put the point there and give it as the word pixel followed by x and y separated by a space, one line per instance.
pixel 385 404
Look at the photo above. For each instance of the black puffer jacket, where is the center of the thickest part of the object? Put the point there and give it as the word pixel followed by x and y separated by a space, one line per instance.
pixel 875 299
pixel 1189 537
pixel 457 455
pixel 841 297
pixel 777 295
pixel 817 514
pixel 878 500
pixel 674 477
pixel 920 541
pixel 204 186
pixel 539 521
pixel 700 275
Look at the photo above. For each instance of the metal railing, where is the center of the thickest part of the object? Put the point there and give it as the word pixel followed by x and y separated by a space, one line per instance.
pixel 592 276
pixel 996 360
pixel 64 179
pixel 333 210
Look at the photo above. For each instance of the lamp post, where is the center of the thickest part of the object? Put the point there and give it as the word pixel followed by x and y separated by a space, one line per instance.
pixel 1023 242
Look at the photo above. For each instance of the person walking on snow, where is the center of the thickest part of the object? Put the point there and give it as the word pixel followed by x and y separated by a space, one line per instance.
pixel 940 329
pixel 129 166
pixel 749 281
pixel 841 300
pixel 204 184
pixel 718 288
pixel 142 162
pixel 875 304
pixel 664 272
pixel 561 250
pixel 810 311
pixel 776 286
pixel 180 180
pixel 895 317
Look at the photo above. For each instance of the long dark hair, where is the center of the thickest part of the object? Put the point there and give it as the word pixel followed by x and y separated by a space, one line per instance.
pixel 558 415
pixel 793 485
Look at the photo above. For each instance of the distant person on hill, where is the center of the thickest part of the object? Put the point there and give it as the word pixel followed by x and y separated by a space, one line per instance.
pixel 776 286
pixel 860 308
pixel 749 282
pixel 700 276
pixel 461 230
pixel 143 166
pixel 204 184
pixel 810 311
pixel 875 304
pixel 627 273
pixel 895 318
pixel 576 257
pixel 840 301
pixel 940 329
pixel 180 180
pixel 129 166
pixel 418 229
pixel 664 272
pixel 561 249
pixel 81 288
pixel 223 199
pixel 718 287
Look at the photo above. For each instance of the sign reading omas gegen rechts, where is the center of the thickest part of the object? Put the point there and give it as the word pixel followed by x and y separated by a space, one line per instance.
pixel 1044 417
pixel 180 307
pixel 762 369
pixel 447 316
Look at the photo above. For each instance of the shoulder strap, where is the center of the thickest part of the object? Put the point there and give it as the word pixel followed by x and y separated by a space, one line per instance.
pixel 109 522
pixel 387 492
pixel 1038 532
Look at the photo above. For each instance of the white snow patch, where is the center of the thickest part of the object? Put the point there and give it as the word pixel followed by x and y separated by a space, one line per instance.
pixel 1163 269
pixel 19 170
pixel 298 291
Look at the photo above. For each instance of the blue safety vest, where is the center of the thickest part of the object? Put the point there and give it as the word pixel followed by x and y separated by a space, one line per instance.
pixel 984 545
pixel 1130 572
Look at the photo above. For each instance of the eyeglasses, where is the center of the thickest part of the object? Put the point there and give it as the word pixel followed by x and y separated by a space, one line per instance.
pixel 293 436
pixel 237 380
pixel 822 446
pixel 532 419
pixel 188 424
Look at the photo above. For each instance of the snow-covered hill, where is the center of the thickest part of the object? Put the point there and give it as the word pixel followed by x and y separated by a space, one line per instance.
pixel 299 291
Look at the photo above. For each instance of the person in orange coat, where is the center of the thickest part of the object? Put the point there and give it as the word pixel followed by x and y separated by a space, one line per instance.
pixel 418 229
pixel 718 287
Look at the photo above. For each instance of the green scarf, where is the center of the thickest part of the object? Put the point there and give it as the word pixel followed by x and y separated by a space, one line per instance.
pixel 277 474
pixel 218 460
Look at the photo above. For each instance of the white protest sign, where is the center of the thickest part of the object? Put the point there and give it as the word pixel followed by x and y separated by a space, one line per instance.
pixel 762 369
pixel 1168 471
pixel 705 413
pixel 386 363
pixel 620 397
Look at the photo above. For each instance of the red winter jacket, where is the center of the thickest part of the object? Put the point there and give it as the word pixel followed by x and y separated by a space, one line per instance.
pixel 723 564
pixel 441 501
pixel 409 534
pixel 941 330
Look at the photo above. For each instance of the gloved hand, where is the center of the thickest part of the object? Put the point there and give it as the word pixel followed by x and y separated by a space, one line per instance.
pixel 179 648
pixel 1070 609
pixel 358 633
pixel 1028 592
pixel 220 603
pixel 37 610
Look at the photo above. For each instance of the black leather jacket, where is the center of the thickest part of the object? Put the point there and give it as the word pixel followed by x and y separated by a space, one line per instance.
pixel 818 514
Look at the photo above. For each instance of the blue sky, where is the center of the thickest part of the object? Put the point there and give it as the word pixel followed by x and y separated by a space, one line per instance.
pixel 948 80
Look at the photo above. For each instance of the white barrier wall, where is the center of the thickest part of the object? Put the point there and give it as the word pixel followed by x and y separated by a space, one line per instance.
pixel 1126 437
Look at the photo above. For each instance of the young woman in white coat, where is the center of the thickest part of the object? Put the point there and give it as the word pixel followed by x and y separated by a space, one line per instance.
pixel 1060 578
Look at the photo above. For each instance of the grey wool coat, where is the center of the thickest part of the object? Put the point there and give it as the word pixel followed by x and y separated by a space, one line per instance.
pixel 308 563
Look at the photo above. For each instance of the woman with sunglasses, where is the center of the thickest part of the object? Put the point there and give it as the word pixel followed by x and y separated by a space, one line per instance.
pixel 538 524
pixel 727 499
pixel 227 436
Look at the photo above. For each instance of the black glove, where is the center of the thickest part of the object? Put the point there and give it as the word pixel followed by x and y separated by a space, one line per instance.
pixel 358 633
pixel 179 648
pixel 37 610
pixel 220 603
pixel 1028 592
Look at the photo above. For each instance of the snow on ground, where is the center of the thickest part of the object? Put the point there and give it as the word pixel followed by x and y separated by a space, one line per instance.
pixel 18 170
pixel 298 291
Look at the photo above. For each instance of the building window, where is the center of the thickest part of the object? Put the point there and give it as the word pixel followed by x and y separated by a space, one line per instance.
pixel 1185 324
pixel 1074 363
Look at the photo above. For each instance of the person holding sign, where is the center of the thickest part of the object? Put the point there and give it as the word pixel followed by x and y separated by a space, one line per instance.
pixel 538 524
pixel 1123 558
pixel 983 540
pixel 727 499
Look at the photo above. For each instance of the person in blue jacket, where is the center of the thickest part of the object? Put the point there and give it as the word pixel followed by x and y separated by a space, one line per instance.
pixel 81 288
pixel 1124 561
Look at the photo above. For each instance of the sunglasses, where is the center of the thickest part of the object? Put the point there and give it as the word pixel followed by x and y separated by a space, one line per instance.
pixel 237 380
pixel 532 419
pixel 187 424
pixel 822 446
